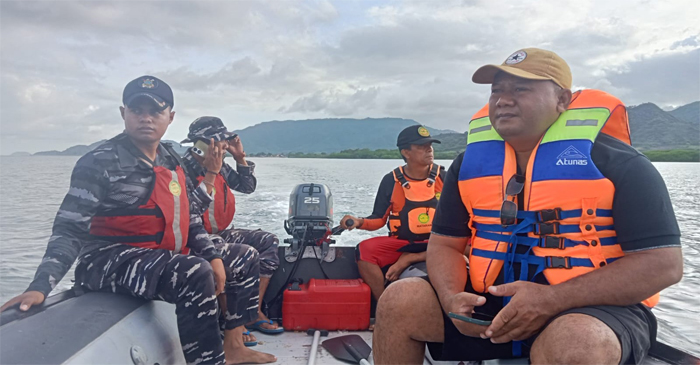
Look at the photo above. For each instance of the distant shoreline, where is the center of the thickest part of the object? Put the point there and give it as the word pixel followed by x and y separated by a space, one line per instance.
pixel 677 155
pixel 684 155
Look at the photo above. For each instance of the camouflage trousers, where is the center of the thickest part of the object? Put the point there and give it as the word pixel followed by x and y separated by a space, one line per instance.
pixel 265 242
pixel 186 281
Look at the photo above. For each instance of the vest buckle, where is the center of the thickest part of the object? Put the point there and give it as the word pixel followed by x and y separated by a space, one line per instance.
pixel 543 229
pixel 552 242
pixel 558 262
pixel 546 215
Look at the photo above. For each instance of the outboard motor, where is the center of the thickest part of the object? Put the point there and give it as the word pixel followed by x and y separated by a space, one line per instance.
pixel 310 213
pixel 310 219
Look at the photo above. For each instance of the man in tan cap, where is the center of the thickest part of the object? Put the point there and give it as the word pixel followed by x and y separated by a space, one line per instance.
pixel 572 233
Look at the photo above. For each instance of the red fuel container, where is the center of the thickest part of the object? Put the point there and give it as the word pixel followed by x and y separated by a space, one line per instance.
pixel 328 305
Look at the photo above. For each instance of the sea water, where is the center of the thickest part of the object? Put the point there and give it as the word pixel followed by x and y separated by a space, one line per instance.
pixel 32 188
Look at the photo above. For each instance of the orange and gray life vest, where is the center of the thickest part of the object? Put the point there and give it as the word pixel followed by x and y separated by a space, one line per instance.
pixel 222 208
pixel 566 222
pixel 162 223
pixel 414 221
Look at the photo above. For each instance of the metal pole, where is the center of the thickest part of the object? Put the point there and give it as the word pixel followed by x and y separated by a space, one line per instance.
pixel 314 348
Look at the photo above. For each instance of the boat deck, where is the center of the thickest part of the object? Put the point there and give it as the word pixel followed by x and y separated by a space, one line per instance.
pixel 102 328
pixel 293 347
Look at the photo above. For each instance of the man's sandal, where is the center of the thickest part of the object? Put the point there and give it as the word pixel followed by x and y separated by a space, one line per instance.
pixel 249 343
pixel 257 326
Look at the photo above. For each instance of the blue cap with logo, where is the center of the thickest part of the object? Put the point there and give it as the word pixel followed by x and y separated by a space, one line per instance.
pixel 150 88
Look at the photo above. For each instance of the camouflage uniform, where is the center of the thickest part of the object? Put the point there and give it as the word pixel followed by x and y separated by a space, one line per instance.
pixel 264 242
pixel 243 180
pixel 115 176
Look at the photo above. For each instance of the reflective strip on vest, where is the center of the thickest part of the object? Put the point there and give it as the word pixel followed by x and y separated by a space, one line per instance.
pixel 482 130
pixel 579 122
pixel 177 233
pixel 212 217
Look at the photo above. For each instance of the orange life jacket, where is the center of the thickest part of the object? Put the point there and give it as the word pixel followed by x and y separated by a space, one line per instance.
pixel 221 210
pixel 162 223
pixel 414 221
pixel 567 212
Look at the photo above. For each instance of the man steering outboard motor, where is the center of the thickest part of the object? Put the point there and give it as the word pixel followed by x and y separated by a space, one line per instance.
pixel 310 221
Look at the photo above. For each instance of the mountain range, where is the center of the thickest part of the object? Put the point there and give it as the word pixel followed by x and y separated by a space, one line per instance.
pixel 652 129
pixel 325 135
pixel 77 150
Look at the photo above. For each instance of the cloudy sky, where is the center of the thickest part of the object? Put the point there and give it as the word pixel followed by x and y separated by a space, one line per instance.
pixel 63 64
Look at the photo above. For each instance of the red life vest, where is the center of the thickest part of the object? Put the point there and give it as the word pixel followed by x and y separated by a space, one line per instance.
pixel 162 223
pixel 222 208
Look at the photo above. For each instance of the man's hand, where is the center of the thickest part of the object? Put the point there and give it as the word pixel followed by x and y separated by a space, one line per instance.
pixel 26 300
pixel 530 307
pixel 397 268
pixel 217 265
pixel 463 303
pixel 235 148
pixel 215 156
pixel 356 222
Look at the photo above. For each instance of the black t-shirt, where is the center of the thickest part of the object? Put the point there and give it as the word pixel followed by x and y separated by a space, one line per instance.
pixel 382 201
pixel 642 210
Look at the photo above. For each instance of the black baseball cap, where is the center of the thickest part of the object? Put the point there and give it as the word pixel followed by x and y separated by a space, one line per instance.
pixel 415 134
pixel 151 88
pixel 206 128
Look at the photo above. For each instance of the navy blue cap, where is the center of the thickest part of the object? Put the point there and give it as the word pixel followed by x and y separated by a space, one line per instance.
pixel 151 88
pixel 415 134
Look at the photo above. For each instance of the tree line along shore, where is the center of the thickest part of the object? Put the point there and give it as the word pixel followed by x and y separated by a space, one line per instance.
pixel 677 155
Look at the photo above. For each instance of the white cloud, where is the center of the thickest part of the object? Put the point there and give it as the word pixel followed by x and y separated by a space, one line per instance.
pixel 335 101
pixel 63 64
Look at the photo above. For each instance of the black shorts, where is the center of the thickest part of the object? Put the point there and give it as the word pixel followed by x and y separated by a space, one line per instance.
pixel 634 325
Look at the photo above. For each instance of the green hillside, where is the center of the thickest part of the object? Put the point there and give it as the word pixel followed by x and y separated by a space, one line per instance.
pixel 324 135
pixel 78 150
pixel 689 113
pixel 451 142
pixel 652 129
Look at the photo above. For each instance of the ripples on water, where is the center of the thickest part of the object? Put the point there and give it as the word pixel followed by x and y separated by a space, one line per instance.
pixel 28 206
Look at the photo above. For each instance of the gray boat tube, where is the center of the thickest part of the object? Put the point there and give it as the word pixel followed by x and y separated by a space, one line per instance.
pixel 91 328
